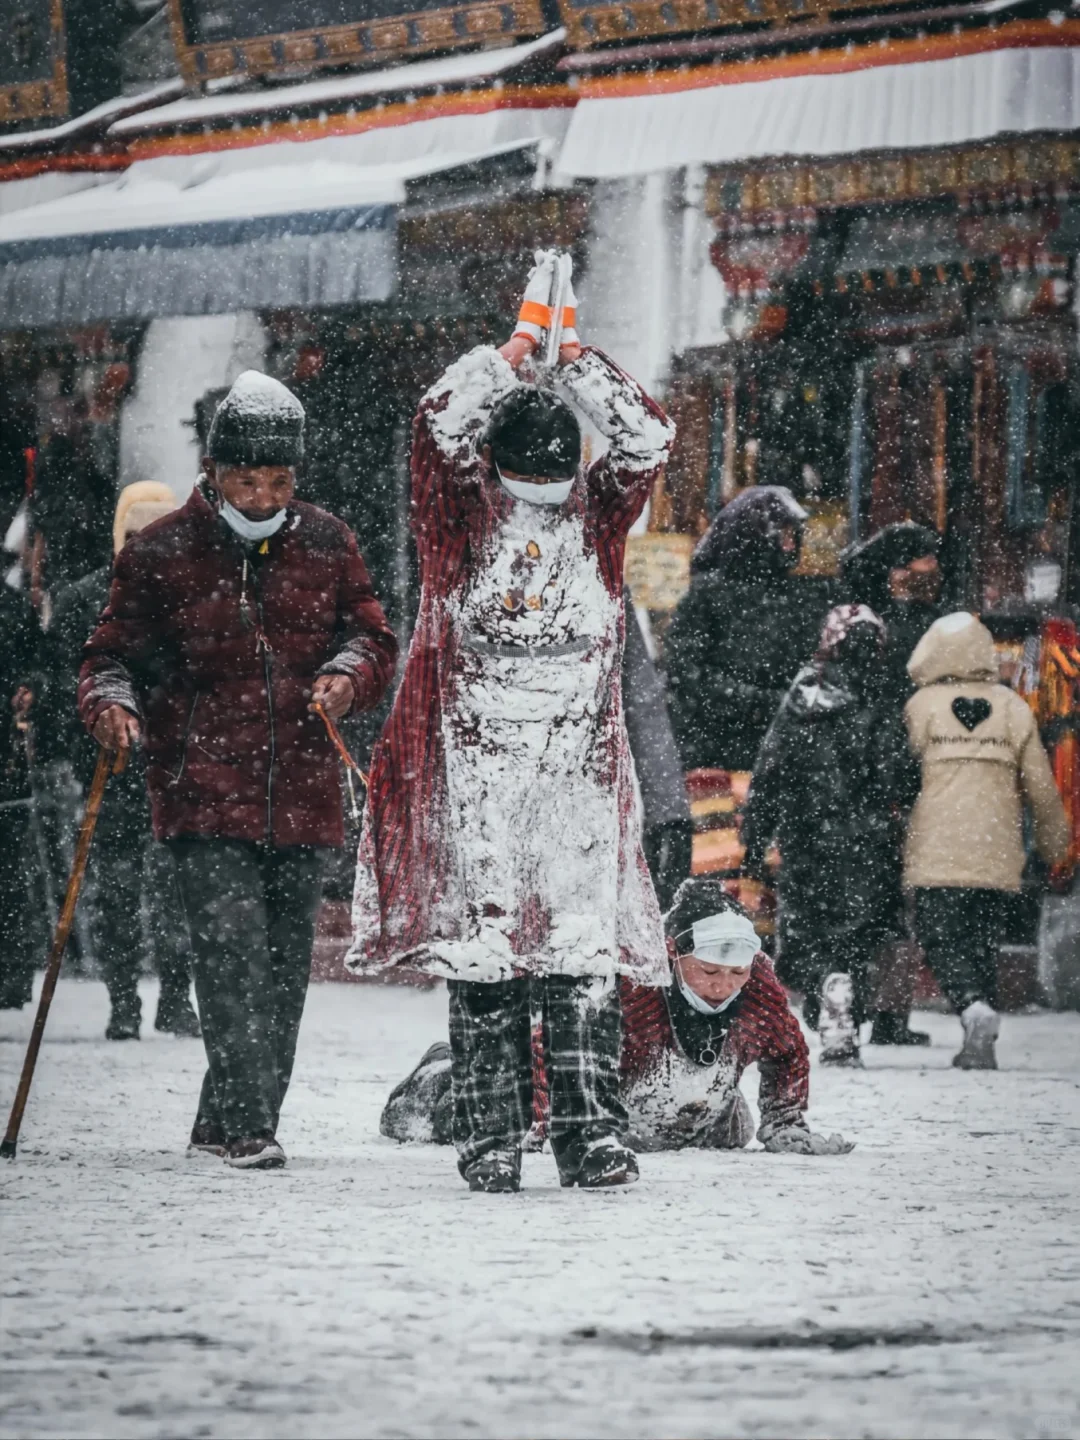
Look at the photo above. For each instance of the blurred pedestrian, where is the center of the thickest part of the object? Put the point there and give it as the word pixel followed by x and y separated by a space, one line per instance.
pixel 226 621
pixel 982 762
pixel 667 836
pixel 897 573
pixel 126 872
pixel 830 785
pixel 19 636
pixel 742 630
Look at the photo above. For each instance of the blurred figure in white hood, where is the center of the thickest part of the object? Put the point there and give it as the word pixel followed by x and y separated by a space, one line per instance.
pixel 982 761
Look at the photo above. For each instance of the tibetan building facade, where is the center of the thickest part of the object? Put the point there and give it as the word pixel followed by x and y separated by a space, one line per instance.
pixel 840 239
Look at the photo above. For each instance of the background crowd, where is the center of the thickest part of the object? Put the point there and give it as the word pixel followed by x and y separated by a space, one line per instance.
pixel 808 683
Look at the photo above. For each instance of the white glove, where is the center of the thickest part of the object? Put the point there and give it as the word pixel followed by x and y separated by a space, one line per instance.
pixel 798 1140
pixel 534 317
pixel 569 331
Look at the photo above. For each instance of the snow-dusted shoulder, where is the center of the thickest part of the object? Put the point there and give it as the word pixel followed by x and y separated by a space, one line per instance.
pixel 640 435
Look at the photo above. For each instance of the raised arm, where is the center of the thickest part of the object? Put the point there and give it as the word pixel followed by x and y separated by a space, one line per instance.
pixel 638 433
pixel 448 438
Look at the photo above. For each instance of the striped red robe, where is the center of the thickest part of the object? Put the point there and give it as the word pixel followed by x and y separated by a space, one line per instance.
pixel 403 895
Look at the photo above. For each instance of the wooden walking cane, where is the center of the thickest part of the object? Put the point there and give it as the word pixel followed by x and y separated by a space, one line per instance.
pixel 351 767
pixel 110 762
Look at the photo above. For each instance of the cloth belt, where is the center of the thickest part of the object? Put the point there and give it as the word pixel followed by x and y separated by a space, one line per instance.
pixel 526 652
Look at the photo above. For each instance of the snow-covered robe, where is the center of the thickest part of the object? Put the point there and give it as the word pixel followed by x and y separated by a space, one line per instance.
pixel 502 831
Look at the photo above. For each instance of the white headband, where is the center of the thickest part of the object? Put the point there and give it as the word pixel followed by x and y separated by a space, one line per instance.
pixel 726 938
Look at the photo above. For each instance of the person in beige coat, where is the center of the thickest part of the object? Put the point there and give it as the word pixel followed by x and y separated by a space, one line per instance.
pixel 982 761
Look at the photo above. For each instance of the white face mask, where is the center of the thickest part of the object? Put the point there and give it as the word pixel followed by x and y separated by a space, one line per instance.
pixel 251 529
pixel 553 493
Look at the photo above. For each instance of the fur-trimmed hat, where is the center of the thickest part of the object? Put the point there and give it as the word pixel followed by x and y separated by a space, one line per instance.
pixel 259 422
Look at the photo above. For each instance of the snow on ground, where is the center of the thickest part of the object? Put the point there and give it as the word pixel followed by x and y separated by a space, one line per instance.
pixel 364 1292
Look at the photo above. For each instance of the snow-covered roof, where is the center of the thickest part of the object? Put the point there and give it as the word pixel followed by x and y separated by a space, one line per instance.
pixel 851 104
pixel 97 118
pixel 449 70
pixel 142 199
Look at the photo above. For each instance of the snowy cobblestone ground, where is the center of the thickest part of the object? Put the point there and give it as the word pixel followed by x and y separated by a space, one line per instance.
pixel 364 1292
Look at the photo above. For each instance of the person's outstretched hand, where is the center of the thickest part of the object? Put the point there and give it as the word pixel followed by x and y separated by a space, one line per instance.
pixel 117 728
pixel 798 1140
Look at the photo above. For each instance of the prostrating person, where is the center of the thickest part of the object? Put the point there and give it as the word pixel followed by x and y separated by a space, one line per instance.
pixel 501 845
pixel 982 764
pixel 226 621
pixel 685 1048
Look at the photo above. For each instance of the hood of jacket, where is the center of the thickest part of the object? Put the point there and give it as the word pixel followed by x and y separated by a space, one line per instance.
pixel 865 567
pixel 956 647
pixel 744 541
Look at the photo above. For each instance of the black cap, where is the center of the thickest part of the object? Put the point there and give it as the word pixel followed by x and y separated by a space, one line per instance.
pixel 535 433
pixel 260 422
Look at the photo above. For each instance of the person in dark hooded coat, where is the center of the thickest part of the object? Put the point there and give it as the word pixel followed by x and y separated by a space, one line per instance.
pixel 667 835
pixel 742 630
pixel 831 783
pixel 897 574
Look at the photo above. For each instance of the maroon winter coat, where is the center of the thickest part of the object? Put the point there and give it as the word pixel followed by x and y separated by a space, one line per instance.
pixel 232 749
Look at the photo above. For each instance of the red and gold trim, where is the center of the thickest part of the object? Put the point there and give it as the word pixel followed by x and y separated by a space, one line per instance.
pixel 845 60
pixel 352 122
pixel 375 41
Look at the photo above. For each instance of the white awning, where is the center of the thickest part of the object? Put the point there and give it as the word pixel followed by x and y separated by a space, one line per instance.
pixel 219 240
pixel 882 107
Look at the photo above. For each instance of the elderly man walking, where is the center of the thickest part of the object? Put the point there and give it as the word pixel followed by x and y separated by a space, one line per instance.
pixel 226 621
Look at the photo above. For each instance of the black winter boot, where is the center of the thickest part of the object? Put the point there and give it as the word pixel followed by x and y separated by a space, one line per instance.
pixel 175 1013
pixel 497 1172
pixel 605 1162
pixel 892 1029
pixel 125 1016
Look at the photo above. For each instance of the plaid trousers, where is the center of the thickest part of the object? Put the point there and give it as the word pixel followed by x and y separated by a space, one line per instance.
pixel 491 1068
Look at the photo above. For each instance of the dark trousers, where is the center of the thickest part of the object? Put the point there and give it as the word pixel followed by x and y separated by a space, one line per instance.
pixel 960 930
pixel 130 869
pixel 491 1063
pixel 806 965
pixel 251 910
pixel 21 944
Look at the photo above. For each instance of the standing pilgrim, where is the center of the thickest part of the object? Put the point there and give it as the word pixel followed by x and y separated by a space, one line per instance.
pixel 501 846
pixel 226 620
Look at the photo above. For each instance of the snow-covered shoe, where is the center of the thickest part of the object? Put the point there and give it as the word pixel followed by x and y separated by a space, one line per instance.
pixel 606 1162
pixel 981 1027
pixel 206 1140
pixel 176 1015
pixel 838 1031
pixel 498 1172
pixel 893 1029
pixel 261 1152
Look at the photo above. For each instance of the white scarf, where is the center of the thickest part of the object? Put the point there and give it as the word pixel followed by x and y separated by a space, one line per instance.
pixel 247 529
